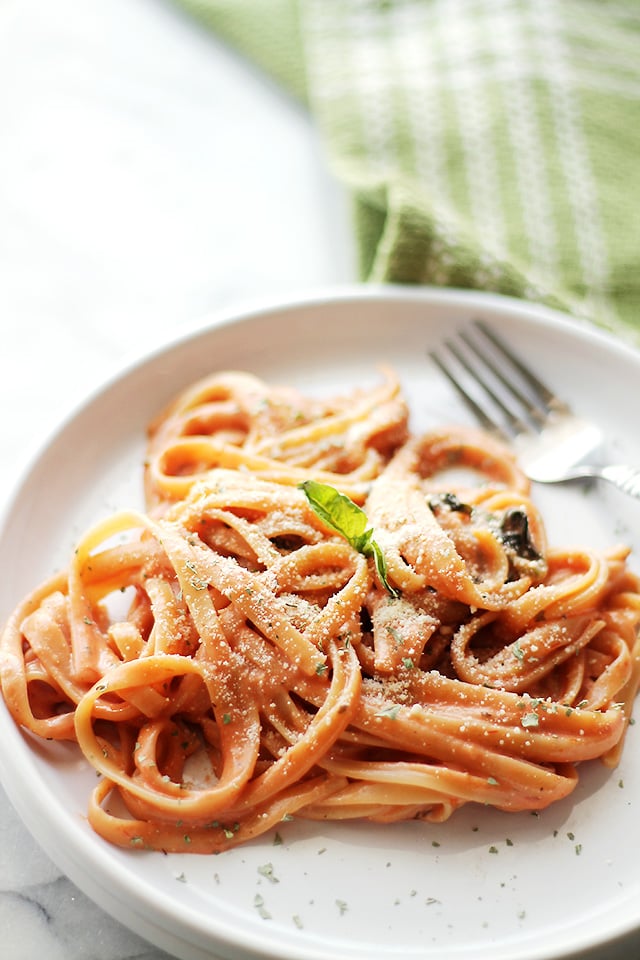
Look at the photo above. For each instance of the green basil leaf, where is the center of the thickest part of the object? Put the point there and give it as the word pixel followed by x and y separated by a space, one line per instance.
pixel 381 567
pixel 338 512
pixel 344 516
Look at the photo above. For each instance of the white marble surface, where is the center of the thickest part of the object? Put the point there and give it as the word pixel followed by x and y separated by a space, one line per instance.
pixel 148 176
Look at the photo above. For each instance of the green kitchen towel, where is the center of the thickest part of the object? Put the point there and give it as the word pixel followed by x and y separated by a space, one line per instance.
pixel 489 144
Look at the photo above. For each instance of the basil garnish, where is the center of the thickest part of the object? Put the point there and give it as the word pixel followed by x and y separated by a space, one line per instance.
pixel 344 516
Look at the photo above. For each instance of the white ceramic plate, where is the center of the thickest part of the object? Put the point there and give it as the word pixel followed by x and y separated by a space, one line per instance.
pixel 485 884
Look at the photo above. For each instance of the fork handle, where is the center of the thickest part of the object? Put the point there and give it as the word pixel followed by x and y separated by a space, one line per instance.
pixel 623 477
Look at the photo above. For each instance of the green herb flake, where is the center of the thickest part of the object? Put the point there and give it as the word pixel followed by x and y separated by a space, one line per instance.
pixel 197 582
pixel 395 634
pixel 266 871
pixel 258 903
pixel 530 720
pixel 389 712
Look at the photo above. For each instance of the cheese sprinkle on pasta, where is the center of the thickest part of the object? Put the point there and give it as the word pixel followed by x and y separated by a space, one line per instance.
pixel 226 659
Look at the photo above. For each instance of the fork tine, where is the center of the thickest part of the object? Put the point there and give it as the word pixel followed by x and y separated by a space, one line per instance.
pixel 478 412
pixel 501 392
pixel 533 403
pixel 516 424
pixel 551 401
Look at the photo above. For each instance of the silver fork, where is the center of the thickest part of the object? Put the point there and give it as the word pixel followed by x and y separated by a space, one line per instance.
pixel 552 444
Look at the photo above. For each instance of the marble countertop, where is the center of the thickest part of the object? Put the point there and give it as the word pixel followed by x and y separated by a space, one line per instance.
pixel 148 177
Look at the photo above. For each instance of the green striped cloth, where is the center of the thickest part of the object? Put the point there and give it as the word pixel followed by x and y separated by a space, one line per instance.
pixel 488 144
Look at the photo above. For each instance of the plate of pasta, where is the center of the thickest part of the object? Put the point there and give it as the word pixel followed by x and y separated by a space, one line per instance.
pixel 297 664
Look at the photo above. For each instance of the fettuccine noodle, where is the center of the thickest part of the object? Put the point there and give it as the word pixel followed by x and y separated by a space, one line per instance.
pixel 225 660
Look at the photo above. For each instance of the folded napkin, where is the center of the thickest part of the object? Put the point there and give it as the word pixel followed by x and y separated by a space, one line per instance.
pixel 490 144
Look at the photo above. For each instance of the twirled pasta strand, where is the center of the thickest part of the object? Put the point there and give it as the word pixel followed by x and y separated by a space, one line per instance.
pixel 226 660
